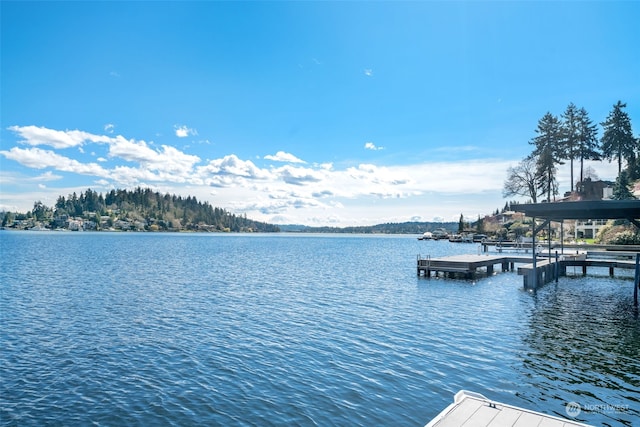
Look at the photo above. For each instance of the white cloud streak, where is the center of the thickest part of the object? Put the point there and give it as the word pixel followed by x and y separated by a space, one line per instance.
pixel 34 135
pixel 281 156
pixel 38 158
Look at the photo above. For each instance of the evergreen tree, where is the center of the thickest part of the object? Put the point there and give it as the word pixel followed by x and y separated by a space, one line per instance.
pixel 461 224
pixel 40 212
pixel 569 147
pixel 634 169
pixel 618 141
pixel 621 189
pixel 548 153
pixel 588 145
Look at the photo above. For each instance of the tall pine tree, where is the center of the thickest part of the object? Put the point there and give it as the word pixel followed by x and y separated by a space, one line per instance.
pixel 618 141
pixel 588 144
pixel 548 152
pixel 570 137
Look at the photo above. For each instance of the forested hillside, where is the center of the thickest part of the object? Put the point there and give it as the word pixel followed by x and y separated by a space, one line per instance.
pixel 140 209
pixel 386 228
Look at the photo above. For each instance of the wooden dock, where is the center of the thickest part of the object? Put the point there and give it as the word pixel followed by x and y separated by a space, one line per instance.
pixel 468 266
pixel 473 409
pixel 547 268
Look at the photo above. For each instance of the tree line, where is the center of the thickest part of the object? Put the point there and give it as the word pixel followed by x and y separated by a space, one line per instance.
pixel 573 137
pixel 157 211
pixel 411 227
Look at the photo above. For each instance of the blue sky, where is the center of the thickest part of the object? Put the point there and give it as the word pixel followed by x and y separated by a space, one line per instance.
pixel 316 113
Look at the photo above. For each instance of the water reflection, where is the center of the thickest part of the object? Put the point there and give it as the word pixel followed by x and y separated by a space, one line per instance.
pixel 583 343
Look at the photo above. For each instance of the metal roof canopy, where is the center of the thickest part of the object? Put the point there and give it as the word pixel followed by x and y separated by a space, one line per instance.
pixel 583 210
pixel 597 209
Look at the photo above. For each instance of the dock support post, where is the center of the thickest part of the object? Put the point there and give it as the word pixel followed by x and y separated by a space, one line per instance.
pixel 636 281
pixel 534 285
pixel 556 271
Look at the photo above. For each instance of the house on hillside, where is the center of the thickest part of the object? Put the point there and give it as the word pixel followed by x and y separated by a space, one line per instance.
pixel 509 216
pixel 590 190
pixel 594 190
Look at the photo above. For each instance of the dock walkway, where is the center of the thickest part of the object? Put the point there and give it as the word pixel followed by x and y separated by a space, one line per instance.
pixel 468 265
pixel 547 268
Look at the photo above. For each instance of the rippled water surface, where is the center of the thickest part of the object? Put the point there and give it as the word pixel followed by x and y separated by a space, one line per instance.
pixel 211 329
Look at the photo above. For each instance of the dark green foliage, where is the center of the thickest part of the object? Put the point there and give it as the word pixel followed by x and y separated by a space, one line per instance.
pixel 386 228
pixel 621 189
pixel 548 152
pixel 588 145
pixel 570 137
pixel 628 237
pixel 41 212
pixel 618 141
pixel 166 212
pixel 579 139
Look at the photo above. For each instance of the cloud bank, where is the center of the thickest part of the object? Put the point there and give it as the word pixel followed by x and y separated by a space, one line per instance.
pixel 295 190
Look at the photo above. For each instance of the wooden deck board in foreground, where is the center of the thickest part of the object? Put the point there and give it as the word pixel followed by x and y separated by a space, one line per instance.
pixel 473 409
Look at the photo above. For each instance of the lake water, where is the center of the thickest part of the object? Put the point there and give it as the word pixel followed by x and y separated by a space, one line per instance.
pixel 244 330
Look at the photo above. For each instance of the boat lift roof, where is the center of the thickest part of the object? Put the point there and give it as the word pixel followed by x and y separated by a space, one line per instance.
pixel 595 209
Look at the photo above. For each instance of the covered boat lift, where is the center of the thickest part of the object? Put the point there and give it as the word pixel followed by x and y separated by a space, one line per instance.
pixel 581 210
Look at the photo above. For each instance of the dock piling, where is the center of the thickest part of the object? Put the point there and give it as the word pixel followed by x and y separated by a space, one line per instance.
pixel 636 281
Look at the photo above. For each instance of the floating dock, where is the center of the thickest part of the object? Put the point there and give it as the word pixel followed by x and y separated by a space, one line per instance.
pixel 467 266
pixel 473 409
pixel 547 268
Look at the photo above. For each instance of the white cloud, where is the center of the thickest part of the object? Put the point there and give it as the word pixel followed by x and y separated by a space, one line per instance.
pixel 372 146
pixel 109 127
pixel 40 159
pixel 47 176
pixel 281 156
pixel 168 159
pixel 34 135
pixel 368 72
pixel 230 171
pixel 298 176
pixel 133 151
pixel 183 131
